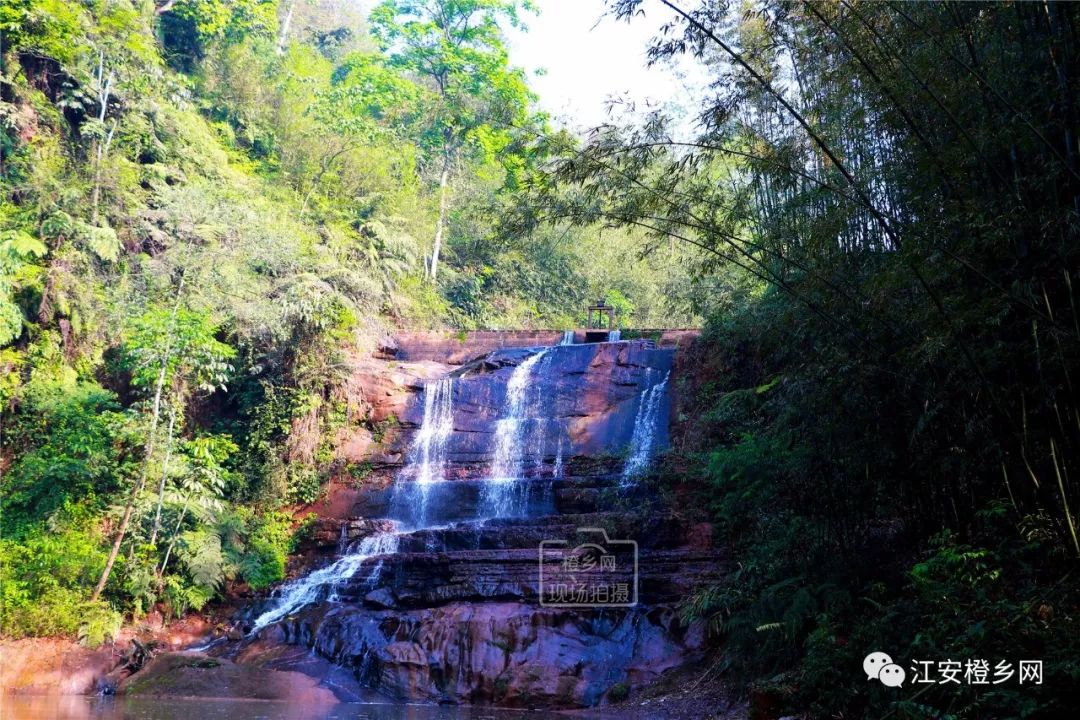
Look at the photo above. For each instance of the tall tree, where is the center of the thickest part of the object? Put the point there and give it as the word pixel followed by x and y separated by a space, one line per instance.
pixel 174 348
pixel 455 50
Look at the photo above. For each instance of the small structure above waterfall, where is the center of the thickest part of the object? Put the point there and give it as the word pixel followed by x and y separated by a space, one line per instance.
pixel 601 323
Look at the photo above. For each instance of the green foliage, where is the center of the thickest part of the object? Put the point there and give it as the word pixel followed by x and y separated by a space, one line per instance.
pixel 624 308
pixel 69 442
pixel 176 346
pixel 200 552
pixel 191 26
pixel 197 227
pixel 305 486
pixel 47 26
pixel 821 579
pixel 99 623
pixel 368 98
pixel 271 540
pixel 44 575
pixel 456 48
pixel 17 271
pixel 182 596
pixel 101 240
pixel 874 195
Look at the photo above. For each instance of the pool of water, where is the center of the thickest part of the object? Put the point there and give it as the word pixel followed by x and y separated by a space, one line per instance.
pixel 119 708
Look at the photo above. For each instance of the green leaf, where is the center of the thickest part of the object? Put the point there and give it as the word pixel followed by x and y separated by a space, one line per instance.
pixel 101 240
pixel 201 555
pixel 11 320
pixel 23 244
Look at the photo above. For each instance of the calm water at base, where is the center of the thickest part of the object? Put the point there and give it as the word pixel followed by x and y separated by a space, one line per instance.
pixel 113 708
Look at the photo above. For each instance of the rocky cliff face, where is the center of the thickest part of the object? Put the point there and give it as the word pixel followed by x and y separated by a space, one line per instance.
pixel 584 397
pixel 431 586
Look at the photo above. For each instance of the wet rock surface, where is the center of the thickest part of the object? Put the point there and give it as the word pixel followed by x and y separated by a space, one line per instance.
pixel 464 624
pixel 589 399
pixel 455 615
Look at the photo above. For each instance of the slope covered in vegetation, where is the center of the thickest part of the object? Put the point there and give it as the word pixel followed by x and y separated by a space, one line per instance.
pixel 202 203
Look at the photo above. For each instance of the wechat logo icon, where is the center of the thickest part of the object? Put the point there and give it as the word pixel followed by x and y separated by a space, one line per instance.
pixel 879 666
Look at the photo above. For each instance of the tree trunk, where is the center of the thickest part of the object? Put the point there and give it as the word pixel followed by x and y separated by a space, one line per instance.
pixel 130 507
pixel 164 473
pixel 444 181
pixel 101 148
pixel 283 35
pixel 150 443
pixel 172 540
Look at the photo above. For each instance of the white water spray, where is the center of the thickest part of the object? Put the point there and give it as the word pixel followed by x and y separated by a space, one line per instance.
pixel 502 491
pixel 641 443
pixel 322 583
pixel 567 338
pixel 614 335
pixel 506 463
pixel 427 453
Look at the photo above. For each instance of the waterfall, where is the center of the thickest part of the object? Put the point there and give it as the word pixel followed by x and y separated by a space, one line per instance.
pixel 614 335
pixel 427 453
pixel 641 443
pixel 526 427
pixel 506 464
pixel 501 489
pixel 322 583
pixel 426 464
pixel 426 459
pixel 343 539
pixel 567 338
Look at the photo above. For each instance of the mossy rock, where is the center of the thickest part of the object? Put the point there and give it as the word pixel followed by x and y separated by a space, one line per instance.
pixel 198 675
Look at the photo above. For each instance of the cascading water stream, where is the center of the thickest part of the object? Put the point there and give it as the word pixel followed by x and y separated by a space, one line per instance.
pixel 567 338
pixel 645 426
pixel 507 459
pixel 502 489
pixel 557 470
pixel 426 465
pixel 321 584
pixel 614 335
pixel 426 460
pixel 427 455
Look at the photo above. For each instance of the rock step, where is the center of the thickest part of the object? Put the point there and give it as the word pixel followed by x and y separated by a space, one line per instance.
pixel 425 579
pixel 466 499
pixel 509 533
